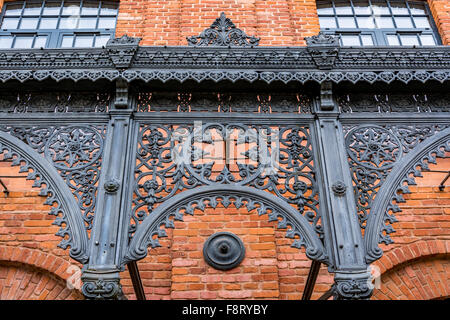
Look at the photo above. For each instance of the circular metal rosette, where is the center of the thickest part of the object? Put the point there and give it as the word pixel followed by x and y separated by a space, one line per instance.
pixel 235 153
pixel 373 147
pixel 74 147
pixel 223 251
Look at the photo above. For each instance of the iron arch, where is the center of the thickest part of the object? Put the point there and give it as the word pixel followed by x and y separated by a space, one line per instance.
pixel 398 180
pixel 298 228
pixel 68 216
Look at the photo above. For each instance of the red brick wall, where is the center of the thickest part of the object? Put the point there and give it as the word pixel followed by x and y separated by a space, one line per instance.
pixel 271 268
pixel 441 13
pixel 31 265
pixel 277 23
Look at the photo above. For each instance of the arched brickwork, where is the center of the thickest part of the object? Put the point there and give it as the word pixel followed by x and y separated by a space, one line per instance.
pixel 28 274
pixel 271 269
pixel 422 279
pixel 413 251
pixel 31 264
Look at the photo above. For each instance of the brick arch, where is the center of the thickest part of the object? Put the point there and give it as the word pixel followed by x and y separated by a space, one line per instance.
pixel 412 251
pixel 420 279
pixel 32 274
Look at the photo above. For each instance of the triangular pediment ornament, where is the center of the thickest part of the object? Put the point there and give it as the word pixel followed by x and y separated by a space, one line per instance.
pixel 223 33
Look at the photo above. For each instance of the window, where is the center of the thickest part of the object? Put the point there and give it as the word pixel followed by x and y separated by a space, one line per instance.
pixel 378 22
pixel 57 24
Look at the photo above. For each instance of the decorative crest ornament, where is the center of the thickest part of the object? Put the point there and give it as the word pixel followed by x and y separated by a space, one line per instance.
pixel 324 49
pixel 322 39
pixel 223 33
pixel 121 50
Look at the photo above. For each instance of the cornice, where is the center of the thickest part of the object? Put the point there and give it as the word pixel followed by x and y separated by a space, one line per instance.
pixel 317 63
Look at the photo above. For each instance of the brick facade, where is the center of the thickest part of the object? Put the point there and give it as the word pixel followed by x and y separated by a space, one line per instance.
pixel 414 267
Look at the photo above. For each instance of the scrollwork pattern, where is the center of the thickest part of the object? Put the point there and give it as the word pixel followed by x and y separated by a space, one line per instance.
pixel 373 151
pixel 76 153
pixel 173 158
pixel 54 102
pixel 224 102
pixel 223 32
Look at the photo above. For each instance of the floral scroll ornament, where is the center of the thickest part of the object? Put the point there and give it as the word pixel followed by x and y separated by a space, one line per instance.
pixel 223 33
pixel 374 147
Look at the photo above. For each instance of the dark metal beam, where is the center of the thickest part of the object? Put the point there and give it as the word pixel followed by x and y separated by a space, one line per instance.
pixel 136 280
pixel 311 281
pixel 5 191
pixel 327 294
pixel 441 185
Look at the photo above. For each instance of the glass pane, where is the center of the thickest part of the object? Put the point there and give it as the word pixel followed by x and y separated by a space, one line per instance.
pixel 346 22
pixel 350 40
pixel 32 9
pixel 13 10
pixel 393 40
pixel 48 23
pixel 23 42
pixel 384 22
pixel 427 40
pixel 51 9
pixel 10 23
pixel 84 41
pixel 6 42
pixel 380 7
pixel 111 9
pixel 87 23
pixel 365 22
pixel 40 42
pixel 327 22
pixel 101 40
pixel 367 40
pixel 67 42
pixel 399 7
pixel 409 40
pixel 422 22
pixel 68 23
pixel 403 22
pixel 89 9
pixel 361 6
pixel 417 8
pixel 71 8
pixel 106 23
pixel 29 23
pixel 343 8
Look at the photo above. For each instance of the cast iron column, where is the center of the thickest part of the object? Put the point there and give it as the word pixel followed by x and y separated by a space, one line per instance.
pixel 342 231
pixel 100 276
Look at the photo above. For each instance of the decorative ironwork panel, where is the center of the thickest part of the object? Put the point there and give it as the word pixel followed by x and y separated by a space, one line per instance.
pixel 396 185
pixel 54 102
pixel 436 102
pixel 373 152
pixel 173 158
pixel 76 153
pixel 224 102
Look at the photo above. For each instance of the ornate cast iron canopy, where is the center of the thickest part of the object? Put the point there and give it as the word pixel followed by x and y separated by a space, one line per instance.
pixel 323 159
